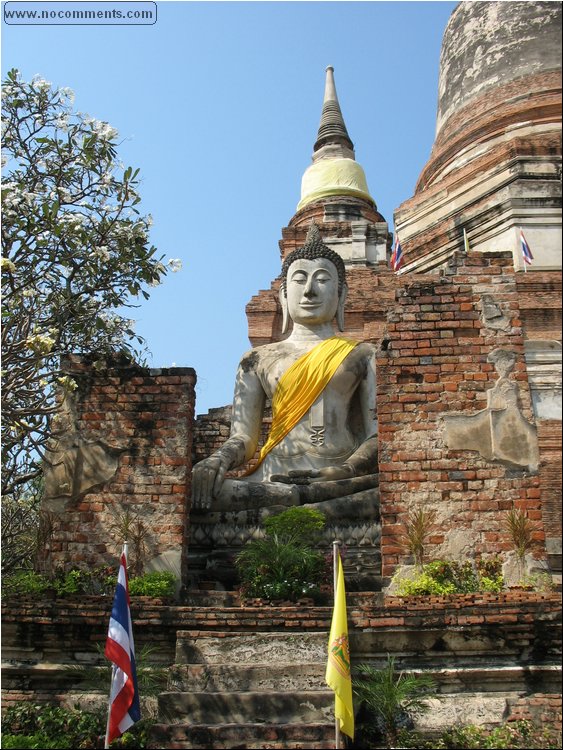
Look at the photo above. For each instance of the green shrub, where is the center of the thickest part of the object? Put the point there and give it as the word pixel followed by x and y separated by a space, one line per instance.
pixel 284 565
pixel 25 583
pixel 72 582
pixel 50 726
pixel 27 725
pixel 423 585
pixel 296 524
pixel 537 582
pixel 489 570
pixel 271 568
pixel 517 734
pixel 444 577
pixel 37 740
pixel 159 583
pixel 101 580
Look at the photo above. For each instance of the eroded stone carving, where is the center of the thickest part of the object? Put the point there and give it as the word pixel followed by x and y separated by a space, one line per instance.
pixel 492 314
pixel 500 432
pixel 74 463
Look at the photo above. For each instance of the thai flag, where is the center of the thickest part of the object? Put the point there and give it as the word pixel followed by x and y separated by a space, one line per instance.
pixel 526 252
pixel 124 708
pixel 397 255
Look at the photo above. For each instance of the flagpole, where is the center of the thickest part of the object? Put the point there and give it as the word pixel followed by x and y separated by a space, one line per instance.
pixel 113 670
pixel 335 553
pixel 106 743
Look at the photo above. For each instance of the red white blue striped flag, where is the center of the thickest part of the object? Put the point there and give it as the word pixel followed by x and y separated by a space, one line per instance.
pixel 526 252
pixel 124 708
pixel 397 256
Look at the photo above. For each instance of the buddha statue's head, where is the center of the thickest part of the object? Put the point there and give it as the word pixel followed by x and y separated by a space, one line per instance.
pixel 313 283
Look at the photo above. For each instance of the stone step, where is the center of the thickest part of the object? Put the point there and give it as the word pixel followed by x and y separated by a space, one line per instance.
pixel 314 736
pixel 222 677
pixel 271 707
pixel 289 677
pixel 433 647
pixel 235 647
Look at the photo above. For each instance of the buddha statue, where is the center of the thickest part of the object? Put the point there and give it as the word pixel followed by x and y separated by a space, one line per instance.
pixel 322 447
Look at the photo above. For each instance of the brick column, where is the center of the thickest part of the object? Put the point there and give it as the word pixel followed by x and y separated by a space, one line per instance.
pixel 144 417
pixel 433 363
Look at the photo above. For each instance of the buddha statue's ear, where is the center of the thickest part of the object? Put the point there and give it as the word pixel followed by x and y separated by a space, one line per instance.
pixel 283 303
pixel 340 308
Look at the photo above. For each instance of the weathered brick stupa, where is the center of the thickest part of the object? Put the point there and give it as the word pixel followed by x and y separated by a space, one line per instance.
pixel 495 169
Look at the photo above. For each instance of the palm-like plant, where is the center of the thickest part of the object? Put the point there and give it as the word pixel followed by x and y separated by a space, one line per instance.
pixel 418 525
pixel 388 694
pixel 520 529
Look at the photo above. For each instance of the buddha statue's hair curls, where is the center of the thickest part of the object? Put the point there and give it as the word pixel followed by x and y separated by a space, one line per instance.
pixel 314 248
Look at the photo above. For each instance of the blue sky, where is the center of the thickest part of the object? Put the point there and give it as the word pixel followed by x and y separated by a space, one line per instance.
pixel 218 104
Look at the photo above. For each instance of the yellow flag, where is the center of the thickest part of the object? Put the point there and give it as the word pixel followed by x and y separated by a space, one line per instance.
pixel 466 242
pixel 338 675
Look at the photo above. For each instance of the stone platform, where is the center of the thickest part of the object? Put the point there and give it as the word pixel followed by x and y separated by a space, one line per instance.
pixel 253 676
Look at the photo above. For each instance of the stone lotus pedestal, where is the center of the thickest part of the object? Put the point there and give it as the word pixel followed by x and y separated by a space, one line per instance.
pixel 217 536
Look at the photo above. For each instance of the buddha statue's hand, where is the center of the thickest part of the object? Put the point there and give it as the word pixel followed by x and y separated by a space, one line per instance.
pixel 207 479
pixel 308 476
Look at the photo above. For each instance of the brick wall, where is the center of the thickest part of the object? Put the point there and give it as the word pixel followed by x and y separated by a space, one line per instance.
pixel 435 363
pixel 210 431
pixel 145 416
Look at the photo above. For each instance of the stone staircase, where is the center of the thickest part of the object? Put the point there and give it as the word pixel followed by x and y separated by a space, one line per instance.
pixel 247 690
pixel 252 676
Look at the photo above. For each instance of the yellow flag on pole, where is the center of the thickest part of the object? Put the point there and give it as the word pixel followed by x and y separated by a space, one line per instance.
pixel 466 242
pixel 338 675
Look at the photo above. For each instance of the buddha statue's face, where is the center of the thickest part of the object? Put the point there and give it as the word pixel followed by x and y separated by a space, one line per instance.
pixel 312 291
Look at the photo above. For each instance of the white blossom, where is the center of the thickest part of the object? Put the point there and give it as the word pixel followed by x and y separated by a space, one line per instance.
pixel 175 264
pixel 40 344
pixel 72 217
pixel 69 93
pixel 40 84
pixel 101 252
pixel 7 265
pixel 104 130
pixel 62 122
pixel 12 199
pixel 68 383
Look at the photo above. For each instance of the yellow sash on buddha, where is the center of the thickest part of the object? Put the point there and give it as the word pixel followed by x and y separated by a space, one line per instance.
pixel 301 385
